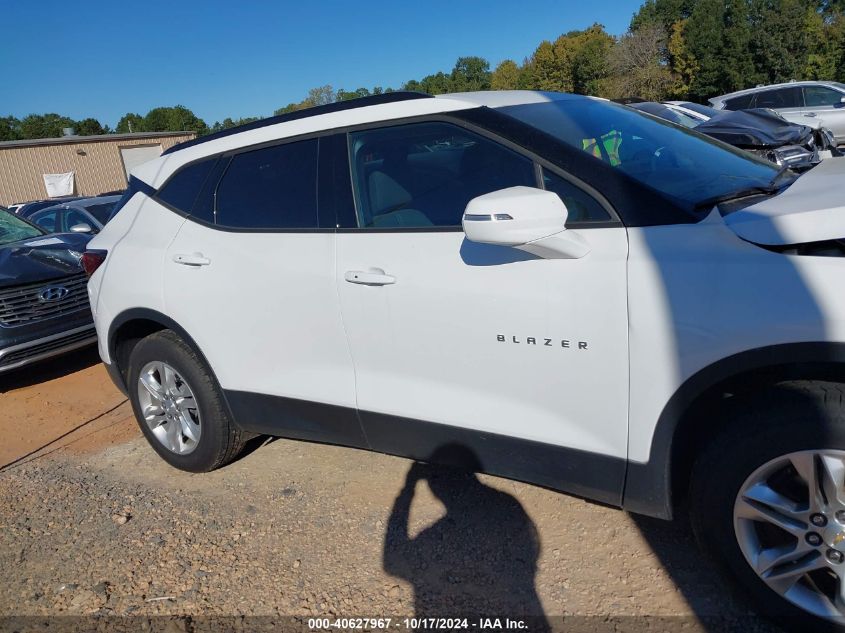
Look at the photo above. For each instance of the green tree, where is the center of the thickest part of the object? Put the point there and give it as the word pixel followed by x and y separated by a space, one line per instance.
pixel 230 123
pixel 779 46
pixel 174 119
pixel 319 96
pixel 44 125
pixel 9 128
pixel 345 95
pixel 590 59
pixel 681 61
pixel 130 122
pixel 576 61
pixel 89 127
pixel 547 71
pixel 662 12
pixel 436 84
pixel 291 107
pixel 506 76
pixel 703 32
pixel 470 74
pixel 737 62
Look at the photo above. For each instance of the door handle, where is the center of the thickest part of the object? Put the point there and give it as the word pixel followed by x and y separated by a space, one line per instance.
pixel 372 277
pixel 810 114
pixel 191 259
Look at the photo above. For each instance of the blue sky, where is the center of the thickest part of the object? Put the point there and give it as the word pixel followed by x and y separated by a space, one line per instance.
pixel 247 58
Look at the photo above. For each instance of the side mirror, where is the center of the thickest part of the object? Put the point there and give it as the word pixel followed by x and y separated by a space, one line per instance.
pixel 526 218
pixel 81 228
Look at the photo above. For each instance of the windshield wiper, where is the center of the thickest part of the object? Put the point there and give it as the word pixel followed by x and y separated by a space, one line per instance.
pixel 771 189
pixel 709 203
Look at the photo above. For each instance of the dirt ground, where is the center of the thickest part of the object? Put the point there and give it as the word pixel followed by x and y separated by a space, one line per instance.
pixel 93 523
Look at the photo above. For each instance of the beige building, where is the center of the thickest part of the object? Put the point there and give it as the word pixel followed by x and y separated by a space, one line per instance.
pixel 99 163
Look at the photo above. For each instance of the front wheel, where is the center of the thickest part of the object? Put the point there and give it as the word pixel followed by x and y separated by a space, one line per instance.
pixel 179 406
pixel 767 500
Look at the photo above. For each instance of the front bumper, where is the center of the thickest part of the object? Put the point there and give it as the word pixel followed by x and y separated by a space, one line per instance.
pixel 20 354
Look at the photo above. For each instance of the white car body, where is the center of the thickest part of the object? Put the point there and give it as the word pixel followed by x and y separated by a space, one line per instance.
pixel 575 372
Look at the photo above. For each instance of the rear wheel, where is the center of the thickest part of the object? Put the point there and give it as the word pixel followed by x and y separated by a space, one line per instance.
pixel 767 499
pixel 179 406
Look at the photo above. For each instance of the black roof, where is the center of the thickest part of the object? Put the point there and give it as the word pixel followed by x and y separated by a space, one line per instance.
pixel 360 102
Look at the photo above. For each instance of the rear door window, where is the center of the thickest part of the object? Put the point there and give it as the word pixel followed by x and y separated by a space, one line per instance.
pixel 270 188
pixel 739 103
pixel 779 98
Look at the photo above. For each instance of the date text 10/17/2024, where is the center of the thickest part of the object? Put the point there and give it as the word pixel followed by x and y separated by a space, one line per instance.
pixel 415 624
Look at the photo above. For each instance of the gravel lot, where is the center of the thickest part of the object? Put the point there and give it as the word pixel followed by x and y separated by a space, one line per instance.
pixel 92 522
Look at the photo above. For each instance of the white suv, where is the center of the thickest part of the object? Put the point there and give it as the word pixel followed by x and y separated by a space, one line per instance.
pixel 585 297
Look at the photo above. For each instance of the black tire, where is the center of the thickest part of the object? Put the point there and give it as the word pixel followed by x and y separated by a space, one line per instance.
pixel 221 439
pixel 786 418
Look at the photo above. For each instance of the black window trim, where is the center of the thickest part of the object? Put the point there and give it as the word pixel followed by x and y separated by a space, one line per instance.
pixel 224 159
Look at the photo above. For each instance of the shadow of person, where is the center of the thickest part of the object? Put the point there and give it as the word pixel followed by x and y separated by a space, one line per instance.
pixel 479 559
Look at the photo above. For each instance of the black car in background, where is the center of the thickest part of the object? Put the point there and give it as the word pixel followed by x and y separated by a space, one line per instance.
pixel 87 215
pixel 760 131
pixel 44 309
pixel 25 208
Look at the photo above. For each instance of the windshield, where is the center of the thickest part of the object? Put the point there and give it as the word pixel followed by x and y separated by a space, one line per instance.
pixel 677 162
pixel 13 229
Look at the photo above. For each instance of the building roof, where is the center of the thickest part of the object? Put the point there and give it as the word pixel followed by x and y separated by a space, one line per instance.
pixel 96 138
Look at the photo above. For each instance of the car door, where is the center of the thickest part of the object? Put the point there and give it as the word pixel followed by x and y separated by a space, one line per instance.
pixel 250 275
pixel 521 359
pixel 825 107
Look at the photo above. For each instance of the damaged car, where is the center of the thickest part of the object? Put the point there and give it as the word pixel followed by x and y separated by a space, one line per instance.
pixel 44 308
pixel 760 131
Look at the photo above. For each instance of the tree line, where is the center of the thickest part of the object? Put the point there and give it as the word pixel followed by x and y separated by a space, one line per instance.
pixel 680 49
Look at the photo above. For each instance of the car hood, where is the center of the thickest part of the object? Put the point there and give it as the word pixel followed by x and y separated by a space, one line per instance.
pixel 754 129
pixel 41 258
pixel 812 209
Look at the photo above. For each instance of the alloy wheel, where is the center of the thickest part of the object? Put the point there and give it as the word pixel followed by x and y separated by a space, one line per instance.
pixel 789 520
pixel 169 408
